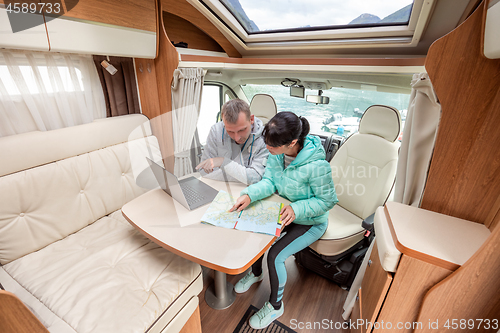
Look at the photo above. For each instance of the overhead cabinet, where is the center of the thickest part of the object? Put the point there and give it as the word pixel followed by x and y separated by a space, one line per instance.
pixel 34 38
pixel 106 27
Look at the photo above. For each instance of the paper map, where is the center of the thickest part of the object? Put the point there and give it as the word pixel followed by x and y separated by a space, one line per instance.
pixel 260 216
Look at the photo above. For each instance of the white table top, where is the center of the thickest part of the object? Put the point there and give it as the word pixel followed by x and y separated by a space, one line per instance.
pixel 179 230
pixel 436 238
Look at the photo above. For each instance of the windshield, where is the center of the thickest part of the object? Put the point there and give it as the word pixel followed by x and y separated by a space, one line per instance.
pixel 345 108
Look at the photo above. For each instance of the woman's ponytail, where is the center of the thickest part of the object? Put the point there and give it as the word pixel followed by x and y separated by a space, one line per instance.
pixel 305 130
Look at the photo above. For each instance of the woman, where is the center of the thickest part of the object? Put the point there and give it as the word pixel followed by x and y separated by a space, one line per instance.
pixel 297 169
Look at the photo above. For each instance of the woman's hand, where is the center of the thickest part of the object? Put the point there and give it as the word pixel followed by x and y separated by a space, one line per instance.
pixel 241 203
pixel 287 215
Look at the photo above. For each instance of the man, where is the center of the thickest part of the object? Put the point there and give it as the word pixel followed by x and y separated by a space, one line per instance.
pixel 235 149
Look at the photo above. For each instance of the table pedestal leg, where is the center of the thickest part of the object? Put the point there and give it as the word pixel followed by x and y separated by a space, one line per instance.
pixel 220 295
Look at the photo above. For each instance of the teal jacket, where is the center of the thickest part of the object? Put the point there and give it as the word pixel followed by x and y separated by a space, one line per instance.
pixel 306 182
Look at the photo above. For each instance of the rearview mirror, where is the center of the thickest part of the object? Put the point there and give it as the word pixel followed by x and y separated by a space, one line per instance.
pixel 318 99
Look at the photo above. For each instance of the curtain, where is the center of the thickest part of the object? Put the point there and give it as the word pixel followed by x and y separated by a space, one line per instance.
pixel 419 136
pixel 120 89
pixel 187 86
pixel 46 91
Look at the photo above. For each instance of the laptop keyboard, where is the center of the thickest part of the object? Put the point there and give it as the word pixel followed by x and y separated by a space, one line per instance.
pixel 191 195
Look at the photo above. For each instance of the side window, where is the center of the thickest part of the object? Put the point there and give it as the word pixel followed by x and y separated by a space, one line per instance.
pixel 211 102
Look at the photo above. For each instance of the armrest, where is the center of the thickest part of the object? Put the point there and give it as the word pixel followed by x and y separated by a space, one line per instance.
pixel 368 222
pixel 16 317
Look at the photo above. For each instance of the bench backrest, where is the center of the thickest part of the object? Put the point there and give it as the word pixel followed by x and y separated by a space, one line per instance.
pixel 54 183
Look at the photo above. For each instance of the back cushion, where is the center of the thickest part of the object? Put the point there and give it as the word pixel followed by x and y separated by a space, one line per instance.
pixel 363 171
pixel 43 204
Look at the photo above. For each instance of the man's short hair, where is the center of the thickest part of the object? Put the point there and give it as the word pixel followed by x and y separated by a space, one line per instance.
pixel 231 110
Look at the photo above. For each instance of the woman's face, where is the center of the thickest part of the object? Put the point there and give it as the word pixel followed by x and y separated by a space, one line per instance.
pixel 288 149
pixel 277 150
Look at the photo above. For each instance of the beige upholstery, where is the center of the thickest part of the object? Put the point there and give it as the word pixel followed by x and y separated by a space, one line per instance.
pixel 107 277
pixel 343 227
pixel 382 121
pixel 363 171
pixel 388 253
pixel 263 107
pixel 64 241
pixel 47 203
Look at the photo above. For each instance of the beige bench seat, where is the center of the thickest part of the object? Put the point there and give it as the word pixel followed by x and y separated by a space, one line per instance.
pixel 108 278
pixel 66 250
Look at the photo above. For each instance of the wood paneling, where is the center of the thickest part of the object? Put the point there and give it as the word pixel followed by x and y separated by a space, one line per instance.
pixel 137 14
pixel 472 292
pixel 412 280
pixel 161 124
pixel 193 325
pixel 310 61
pixel 375 285
pixel 15 317
pixel 188 12
pixel 464 176
pixel 180 30
pixel 154 78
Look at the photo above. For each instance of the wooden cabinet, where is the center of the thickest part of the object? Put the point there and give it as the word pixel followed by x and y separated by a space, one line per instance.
pixel 432 247
pixel 374 288
pixel 104 27
pixel 34 38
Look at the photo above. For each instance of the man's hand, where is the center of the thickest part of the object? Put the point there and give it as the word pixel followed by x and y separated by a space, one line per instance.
pixel 287 215
pixel 209 164
pixel 241 203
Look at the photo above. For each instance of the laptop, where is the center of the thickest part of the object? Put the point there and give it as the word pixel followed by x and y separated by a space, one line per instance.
pixel 189 192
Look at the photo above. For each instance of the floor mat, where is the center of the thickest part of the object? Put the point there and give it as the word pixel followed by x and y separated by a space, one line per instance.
pixel 275 327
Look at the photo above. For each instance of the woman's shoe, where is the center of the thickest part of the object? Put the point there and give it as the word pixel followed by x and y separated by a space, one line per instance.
pixel 246 282
pixel 265 316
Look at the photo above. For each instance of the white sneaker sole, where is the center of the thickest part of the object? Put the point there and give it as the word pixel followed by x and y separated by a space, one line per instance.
pixel 244 291
pixel 259 328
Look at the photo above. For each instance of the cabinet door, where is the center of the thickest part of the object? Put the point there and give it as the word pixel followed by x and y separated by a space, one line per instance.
pixel 34 38
pixel 92 38
pixel 374 287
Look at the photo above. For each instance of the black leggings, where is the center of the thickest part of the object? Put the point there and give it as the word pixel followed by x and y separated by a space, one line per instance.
pixel 296 237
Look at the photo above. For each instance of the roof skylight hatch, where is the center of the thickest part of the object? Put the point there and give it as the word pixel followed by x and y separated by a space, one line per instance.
pixel 263 16
pixel 263 24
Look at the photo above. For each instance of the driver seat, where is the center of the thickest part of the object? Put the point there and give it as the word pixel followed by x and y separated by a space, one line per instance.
pixel 263 107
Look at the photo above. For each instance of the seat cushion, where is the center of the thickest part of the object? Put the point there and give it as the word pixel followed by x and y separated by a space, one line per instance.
pixel 107 277
pixel 344 231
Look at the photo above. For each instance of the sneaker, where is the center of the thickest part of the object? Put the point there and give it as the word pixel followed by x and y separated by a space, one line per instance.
pixel 265 316
pixel 246 282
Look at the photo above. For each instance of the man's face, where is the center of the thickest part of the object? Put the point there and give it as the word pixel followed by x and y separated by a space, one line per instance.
pixel 240 131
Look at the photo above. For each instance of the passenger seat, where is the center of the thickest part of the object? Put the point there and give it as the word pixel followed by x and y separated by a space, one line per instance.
pixel 363 171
